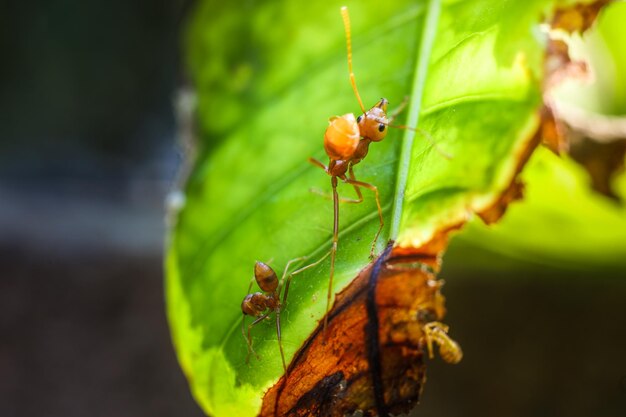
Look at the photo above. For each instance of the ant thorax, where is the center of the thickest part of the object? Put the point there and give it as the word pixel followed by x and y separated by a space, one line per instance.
pixel 361 151
pixel 254 304
pixel 338 167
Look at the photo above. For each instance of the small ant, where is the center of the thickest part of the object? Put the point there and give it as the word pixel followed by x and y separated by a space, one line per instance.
pixel 449 350
pixel 262 304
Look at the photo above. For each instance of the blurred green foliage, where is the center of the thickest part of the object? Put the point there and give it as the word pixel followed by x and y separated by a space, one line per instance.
pixel 268 76
pixel 604 47
pixel 562 221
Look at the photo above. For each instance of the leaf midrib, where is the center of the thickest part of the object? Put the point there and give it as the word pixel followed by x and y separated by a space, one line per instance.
pixel 429 31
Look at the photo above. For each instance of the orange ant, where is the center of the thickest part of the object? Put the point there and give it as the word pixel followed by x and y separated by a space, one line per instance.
pixel 262 304
pixel 346 142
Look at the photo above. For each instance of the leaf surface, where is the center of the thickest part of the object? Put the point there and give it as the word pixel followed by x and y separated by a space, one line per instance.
pixel 268 76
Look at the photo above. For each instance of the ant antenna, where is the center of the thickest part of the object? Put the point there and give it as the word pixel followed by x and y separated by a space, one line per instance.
pixel 346 24
pixel 417 130
pixel 426 135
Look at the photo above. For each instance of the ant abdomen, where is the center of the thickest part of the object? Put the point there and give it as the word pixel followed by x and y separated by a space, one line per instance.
pixel 450 351
pixel 265 277
pixel 342 137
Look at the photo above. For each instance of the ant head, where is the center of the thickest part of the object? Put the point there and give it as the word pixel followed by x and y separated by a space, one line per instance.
pixel 265 277
pixel 373 124
pixel 426 315
pixel 253 304
pixel 342 137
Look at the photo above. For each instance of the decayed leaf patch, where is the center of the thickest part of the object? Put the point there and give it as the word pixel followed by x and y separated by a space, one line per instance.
pixel 336 373
pixel 579 17
pixel 597 142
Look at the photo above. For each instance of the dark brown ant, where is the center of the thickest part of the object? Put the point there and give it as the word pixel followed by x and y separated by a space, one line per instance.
pixel 262 304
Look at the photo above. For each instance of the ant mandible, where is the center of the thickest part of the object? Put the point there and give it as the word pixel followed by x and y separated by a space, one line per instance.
pixel 262 304
pixel 346 143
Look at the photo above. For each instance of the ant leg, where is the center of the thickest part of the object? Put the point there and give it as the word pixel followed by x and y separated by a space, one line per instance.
pixel 380 210
pixel 323 194
pixel 333 248
pixel 280 341
pixel 417 130
pixel 356 189
pixel 318 164
pixel 243 333
pixel 333 182
pixel 284 301
pixel 249 337
pixel 449 350
pixel 429 335
pixel 243 324
pixel 398 110
pixel 251 284
pixel 282 279
pixel 435 332
pixel 425 135
pixel 304 268
pixel 440 326
pixel 329 196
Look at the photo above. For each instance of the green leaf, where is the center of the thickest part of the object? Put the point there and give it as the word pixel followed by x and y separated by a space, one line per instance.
pixel 561 222
pixel 268 76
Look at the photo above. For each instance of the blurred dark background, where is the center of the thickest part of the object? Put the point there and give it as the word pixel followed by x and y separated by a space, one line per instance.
pixel 88 155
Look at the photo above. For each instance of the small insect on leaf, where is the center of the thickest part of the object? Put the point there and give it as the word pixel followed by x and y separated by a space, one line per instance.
pixel 372 358
pixel 261 305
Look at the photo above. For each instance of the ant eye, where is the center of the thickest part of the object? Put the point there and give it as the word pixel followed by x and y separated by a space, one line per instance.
pixel 358 119
pixel 381 127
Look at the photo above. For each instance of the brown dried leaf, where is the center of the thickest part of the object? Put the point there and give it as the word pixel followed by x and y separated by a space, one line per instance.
pixel 577 18
pixel 552 131
pixel 603 161
pixel 372 358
